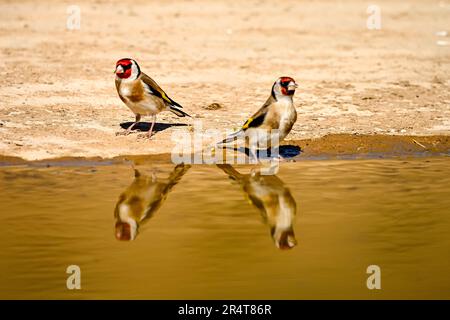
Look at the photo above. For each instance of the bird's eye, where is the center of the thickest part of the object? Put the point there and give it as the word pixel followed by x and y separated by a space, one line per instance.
pixel 126 67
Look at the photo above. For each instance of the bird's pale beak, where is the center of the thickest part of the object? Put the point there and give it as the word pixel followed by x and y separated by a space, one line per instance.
pixel 292 86
pixel 119 69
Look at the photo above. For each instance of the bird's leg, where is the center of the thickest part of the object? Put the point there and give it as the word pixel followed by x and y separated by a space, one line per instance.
pixel 253 156
pixel 138 118
pixel 151 127
pixel 128 130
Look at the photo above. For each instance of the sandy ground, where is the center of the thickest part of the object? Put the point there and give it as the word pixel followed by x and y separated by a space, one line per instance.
pixel 57 94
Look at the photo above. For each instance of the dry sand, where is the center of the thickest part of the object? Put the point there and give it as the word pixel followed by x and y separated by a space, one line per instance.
pixel 57 94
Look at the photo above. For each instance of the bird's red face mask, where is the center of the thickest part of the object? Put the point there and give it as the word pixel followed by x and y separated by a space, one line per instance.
pixel 288 86
pixel 123 68
pixel 123 231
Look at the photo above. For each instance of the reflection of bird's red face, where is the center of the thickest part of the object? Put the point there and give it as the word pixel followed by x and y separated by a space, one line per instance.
pixel 123 68
pixel 123 231
pixel 288 86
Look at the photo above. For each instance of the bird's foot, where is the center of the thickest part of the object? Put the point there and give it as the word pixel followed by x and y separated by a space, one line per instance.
pixel 123 133
pixel 145 135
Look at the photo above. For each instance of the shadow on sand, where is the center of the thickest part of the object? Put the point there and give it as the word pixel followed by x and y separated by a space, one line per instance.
pixel 285 151
pixel 145 126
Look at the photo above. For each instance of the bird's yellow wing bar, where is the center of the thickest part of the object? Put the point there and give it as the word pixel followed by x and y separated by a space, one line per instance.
pixel 247 123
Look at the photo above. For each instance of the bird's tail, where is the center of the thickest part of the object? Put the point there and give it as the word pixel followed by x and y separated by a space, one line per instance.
pixel 231 172
pixel 232 137
pixel 178 111
pixel 176 175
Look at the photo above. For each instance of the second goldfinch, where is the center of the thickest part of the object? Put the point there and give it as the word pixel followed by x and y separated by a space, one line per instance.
pixel 275 117
pixel 142 94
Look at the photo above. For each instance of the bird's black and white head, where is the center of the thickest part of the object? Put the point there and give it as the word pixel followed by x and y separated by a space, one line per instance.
pixel 127 69
pixel 284 87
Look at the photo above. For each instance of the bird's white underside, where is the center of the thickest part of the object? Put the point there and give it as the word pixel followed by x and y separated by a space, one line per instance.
pixel 285 107
pixel 287 111
pixel 124 214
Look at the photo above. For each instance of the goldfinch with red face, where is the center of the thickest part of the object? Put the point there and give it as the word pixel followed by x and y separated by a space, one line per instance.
pixel 277 113
pixel 142 94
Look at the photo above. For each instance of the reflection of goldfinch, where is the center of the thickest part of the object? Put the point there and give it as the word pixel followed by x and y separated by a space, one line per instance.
pixel 142 94
pixel 275 202
pixel 141 200
pixel 278 113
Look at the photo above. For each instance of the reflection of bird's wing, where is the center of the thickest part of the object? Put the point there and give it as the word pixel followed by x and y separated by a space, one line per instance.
pixel 265 192
pixel 136 198
pixel 154 89
pixel 266 201
pixel 257 191
pixel 163 189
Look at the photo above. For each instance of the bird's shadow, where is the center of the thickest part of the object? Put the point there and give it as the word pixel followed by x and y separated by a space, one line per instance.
pixel 145 126
pixel 289 151
pixel 285 151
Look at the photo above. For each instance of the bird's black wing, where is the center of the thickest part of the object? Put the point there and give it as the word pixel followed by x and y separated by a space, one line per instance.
pixel 258 118
pixel 156 90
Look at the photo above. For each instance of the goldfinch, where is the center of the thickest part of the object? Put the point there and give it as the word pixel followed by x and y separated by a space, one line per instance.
pixel 141 200
pixel 275 202
pixel 278 113
pixel 142 94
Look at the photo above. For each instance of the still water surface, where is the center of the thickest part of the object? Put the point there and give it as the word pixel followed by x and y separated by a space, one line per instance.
pixel 208 232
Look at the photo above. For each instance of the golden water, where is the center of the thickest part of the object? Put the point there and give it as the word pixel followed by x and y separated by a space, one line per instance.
pixel 208 236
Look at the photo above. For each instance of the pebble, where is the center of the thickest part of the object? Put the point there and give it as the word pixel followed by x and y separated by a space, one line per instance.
pixel 213 106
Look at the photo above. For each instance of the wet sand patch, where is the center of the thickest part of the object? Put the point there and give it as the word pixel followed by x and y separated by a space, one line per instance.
pixel 333 146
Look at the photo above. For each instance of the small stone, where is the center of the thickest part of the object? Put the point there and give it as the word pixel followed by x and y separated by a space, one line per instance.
pixel 404 83
pixel 213 106
pixel 437 80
